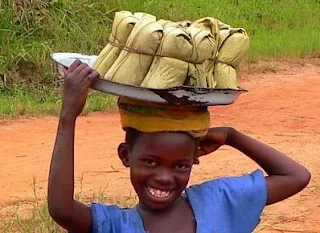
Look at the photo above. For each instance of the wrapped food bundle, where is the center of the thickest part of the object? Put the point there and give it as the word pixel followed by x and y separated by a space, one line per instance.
pixel 168 68
pixel 162 54
pixel 179 48
pixel 233 46
pixel 135 59
pixel 123 24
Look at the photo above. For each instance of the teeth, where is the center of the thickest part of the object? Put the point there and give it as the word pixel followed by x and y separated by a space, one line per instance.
pixel 158 193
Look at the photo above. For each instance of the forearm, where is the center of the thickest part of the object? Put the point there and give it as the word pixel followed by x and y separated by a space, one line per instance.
pixel 67 212
pixel 61 176
pixel 286 177
pixel 271 160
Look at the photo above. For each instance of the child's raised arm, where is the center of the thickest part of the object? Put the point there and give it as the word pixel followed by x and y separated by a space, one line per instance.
pixel 70 214
pixel 285 176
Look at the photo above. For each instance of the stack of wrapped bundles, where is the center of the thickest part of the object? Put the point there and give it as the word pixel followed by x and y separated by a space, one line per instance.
pixel 162 54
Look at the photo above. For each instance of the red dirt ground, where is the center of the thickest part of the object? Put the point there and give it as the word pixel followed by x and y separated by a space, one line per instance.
pixel 282 109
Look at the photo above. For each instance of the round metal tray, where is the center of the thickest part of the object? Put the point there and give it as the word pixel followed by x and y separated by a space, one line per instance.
pixel 181 95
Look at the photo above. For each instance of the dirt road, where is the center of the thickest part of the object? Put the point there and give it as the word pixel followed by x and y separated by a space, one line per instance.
pixel 282 109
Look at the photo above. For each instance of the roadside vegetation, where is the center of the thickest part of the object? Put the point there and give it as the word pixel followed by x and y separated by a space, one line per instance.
pixel 31 30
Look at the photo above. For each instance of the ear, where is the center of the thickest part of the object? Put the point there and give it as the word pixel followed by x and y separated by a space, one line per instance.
pixel 123 153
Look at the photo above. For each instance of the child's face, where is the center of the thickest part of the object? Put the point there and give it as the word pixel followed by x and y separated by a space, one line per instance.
pixel 160 166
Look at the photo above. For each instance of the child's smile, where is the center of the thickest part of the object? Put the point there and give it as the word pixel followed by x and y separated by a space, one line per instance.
pixel 159 196
pixel 158 193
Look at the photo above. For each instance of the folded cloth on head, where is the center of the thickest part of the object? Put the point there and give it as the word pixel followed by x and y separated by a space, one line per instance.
pixel 153 117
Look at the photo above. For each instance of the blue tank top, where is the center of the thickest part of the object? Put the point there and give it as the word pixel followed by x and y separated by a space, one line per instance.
pixel 225 205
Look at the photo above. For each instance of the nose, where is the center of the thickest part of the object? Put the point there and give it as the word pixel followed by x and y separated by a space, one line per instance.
pixel 163 176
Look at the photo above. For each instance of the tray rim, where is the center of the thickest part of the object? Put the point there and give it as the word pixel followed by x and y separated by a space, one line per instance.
pixel 100 84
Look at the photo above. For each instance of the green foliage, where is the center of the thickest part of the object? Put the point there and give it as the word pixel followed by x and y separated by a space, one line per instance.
pixel 47 102
pixel 31 30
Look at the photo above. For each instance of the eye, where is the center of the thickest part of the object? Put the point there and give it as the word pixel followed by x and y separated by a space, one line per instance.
pixel 182 167
pixel 150 162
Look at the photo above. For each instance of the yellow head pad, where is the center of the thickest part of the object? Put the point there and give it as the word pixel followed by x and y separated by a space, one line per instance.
pixel 152 117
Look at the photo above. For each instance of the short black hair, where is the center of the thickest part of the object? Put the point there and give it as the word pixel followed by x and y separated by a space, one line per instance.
pixel 131 136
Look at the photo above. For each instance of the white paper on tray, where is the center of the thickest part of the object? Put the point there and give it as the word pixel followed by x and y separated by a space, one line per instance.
pixel 66 59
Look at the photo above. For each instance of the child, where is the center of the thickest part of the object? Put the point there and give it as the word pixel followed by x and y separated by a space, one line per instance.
pixel 162 143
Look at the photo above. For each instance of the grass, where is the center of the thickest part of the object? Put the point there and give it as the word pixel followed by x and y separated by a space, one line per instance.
pixel 31 30
pixel 22 103
pixel 37 218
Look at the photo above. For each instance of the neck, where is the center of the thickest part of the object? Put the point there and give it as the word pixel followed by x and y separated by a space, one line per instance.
pixel 144 209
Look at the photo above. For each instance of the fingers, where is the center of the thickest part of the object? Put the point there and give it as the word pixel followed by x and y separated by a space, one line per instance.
pixel 202 139
pixel 82 70
pixel 92 76
pixel 64 70
pixel 85 71
pixel 79 69
pixel 80 73
pixel 74 65
pixel 200 153
pixel 207 148
pixel 196 160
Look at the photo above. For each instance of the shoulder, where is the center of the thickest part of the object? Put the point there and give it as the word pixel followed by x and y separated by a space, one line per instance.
pixel 238 201
pixel 111 218
pixel 246 185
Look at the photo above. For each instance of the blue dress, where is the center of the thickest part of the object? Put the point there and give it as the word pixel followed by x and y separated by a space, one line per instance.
pixel 225 205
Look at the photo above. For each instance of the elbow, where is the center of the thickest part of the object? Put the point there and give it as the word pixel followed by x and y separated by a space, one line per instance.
pixel 307 177
pixel 58 213
pixel 303 178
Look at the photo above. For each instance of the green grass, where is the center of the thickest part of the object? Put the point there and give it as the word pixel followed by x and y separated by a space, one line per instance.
pixel 22 103
pixel 37 218
pixel 31 30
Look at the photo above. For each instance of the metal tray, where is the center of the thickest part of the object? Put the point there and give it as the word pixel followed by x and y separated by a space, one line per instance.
pixel 181 95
